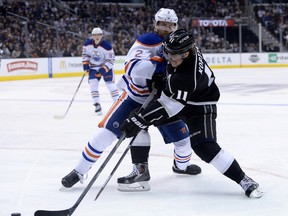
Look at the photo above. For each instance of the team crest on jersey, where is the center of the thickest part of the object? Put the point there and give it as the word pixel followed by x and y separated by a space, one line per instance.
pixel 97 56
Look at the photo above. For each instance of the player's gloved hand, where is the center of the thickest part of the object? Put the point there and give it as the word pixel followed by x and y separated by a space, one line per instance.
pixel 102 70
pixel 158 82
pixel 133 125
pixel 86 68
pixel 160 63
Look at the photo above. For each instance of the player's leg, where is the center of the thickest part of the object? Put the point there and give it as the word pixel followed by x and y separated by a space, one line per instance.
pixel 103 137
pixel 204 143
pixel 110 83
pixel 92 151
pixel 138 179
pixel 176 132
pixel 93 80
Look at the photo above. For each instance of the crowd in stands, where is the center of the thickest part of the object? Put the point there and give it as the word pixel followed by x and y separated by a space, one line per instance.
pixel 275 18
pixel 46 29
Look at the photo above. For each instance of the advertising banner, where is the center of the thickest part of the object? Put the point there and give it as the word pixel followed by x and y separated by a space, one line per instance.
pixel 119 64
pixel 66 66
pixel 264 59
pixel 213 22
pixel 24 68
pixel 222 60
pixel 17 69
pixel 73 65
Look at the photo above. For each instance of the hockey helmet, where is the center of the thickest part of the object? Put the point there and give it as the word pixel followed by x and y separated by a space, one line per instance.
pixel 97 31
pixel 97 35
pixel 165 20
pixel 166 15
pixel 178 42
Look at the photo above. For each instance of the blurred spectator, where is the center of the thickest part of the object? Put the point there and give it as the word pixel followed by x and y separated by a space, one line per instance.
pixel 44 28
pixel 7 51
pixel 16 53
pixel 273 17
pixel 1 51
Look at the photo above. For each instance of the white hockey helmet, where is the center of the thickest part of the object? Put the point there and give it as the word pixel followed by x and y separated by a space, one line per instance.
pixel 97 35
pixel 165 22
pixel 166 15
pixel 97 31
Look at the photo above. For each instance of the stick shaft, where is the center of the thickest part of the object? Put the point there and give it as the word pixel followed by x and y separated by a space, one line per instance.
pixel 127 148
pixel 115 168
pixel 68 108
pixel 69 211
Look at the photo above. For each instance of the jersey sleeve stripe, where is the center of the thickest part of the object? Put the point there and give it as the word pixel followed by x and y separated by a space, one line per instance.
pixel 130 66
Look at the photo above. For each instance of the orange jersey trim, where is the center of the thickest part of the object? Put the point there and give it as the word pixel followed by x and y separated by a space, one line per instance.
pixel 154 45
pixel 112 109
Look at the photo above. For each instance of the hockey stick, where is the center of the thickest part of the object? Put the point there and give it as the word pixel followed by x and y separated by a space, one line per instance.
pixel 123 155
pixel 115 168
pixel 69 211
pixel 64 115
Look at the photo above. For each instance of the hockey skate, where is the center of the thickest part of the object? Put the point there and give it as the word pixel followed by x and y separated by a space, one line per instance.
pixel 251 188
pixel 192 169
pixel 72 178
pixel 98 109
pixel 137 180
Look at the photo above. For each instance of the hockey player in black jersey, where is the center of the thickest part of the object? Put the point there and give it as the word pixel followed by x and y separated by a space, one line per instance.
pixel 191 94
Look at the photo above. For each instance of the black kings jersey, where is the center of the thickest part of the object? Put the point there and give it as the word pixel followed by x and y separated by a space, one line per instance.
pixel 191 83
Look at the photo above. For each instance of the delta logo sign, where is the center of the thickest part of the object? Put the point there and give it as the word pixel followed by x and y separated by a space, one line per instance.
pixel 22 65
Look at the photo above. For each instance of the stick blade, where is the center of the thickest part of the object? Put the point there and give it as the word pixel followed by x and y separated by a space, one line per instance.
pixel 65 212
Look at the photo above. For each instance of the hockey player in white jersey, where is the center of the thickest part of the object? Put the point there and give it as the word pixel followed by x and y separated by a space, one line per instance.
pixel 98 60
pixel 142 64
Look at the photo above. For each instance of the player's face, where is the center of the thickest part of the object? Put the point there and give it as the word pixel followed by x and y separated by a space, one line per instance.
pixel 164 28
pixel 97 38
pixel 175 59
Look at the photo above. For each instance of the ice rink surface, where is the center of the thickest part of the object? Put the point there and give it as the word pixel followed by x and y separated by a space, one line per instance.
pixel 36 151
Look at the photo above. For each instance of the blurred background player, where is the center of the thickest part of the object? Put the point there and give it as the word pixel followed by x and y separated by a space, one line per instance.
pixel 142 64
pixel 98 60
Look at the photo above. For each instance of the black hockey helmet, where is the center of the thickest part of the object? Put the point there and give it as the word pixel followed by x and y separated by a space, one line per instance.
pixel 178 42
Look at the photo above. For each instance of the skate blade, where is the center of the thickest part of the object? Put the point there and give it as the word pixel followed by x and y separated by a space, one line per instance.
pixel 257 193
pixel 99 113
pixel 63 189
pixel 135 187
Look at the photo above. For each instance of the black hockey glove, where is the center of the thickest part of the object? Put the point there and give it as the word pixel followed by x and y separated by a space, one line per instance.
pixel 159 82
pixel 133 125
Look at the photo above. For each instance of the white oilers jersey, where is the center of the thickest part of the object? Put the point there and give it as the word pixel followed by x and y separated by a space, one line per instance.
pixel 98 55
pixel 139 68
